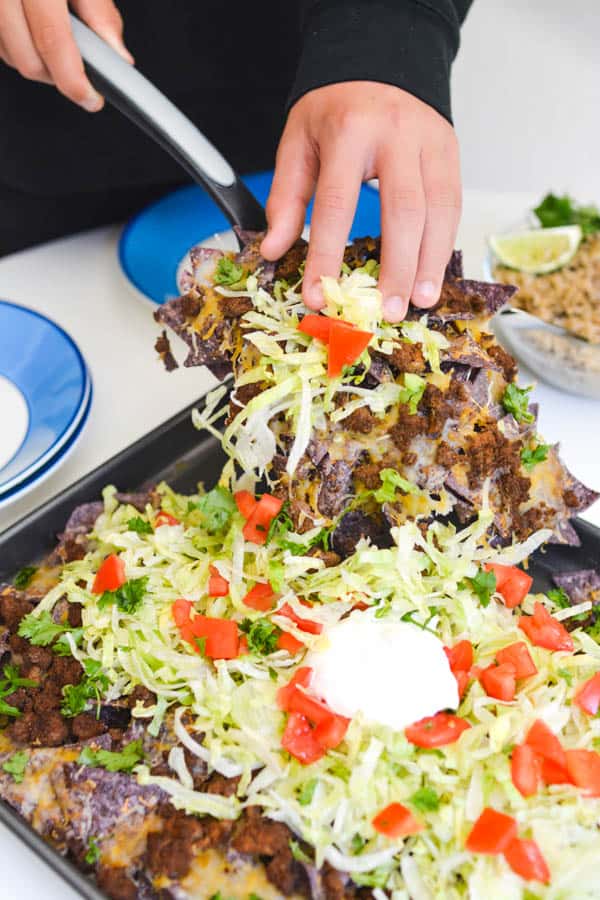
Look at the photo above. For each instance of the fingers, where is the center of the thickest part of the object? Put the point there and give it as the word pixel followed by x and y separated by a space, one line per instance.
pixel 338 187
pixel 441 179
pixel 104 18
pixel 293 185
pixel 16 44
pixel 50 29
pixel 402 221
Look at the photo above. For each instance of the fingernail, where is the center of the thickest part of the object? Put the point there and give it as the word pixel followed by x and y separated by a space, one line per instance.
pixel 314 296
pixel 424 293
pixel 117 44
pixel 394 309
pixel 93 102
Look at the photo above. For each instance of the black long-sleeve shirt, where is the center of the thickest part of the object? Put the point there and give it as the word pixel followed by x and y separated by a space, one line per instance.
pixel 234 69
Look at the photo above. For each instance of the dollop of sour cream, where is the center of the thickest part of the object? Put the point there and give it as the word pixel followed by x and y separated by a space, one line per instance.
pixel 392 673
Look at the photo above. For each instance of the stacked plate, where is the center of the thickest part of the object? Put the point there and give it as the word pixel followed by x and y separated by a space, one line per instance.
pixel 45 398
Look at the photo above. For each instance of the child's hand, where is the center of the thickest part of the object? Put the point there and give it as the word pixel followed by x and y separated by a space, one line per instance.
pixel 36 40
pixel 335 138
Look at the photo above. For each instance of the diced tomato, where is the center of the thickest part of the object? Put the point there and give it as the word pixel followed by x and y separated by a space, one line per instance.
pixel 260 597
pixel 346 343
pixel 165 518
pixel 516 588
pixel 552 773
pixel 492 832
pixel 462 682
pixel 303 624
pixel 525 859
pixel 501 572
pixel 545 743
pixel 181 610
pixel 500 682
pixel 512 583
pixel 217 585
pixel 287 641
pixel 583 767
pixel 315 710
pixel 436 731
pixel 396 821
pixel 257 526
pixel 518 655
pixel 588 695
pixel 243 647
pixel 332 731
pixel 245 502
pixel 525 770
pixel 299 740
pixel 110 576
pixel 316 326
pixel 222 641
pixel 544 630
pixel 460 656
pixel 301 677
pixel 361 605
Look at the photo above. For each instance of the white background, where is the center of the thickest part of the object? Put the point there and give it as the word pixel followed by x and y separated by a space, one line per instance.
pixel 526 104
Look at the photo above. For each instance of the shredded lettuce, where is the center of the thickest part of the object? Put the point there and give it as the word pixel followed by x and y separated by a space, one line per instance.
pixel 225 711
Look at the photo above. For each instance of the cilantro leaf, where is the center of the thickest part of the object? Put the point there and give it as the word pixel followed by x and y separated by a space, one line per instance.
pixel 425 800
pixel 378 878
pixel 555 211
pixel 16 764
pixel 24 576
pixel 299 854
pixel 566 675
pixel 390 480
pixel 76 696
pixel 413 390
pixel 93 852
pixel 217 507
pixel 229 273
pixel 62 647
pixel 40 630
pixel 121 761
pixel 531 456
pixel 515 400
pixel 484 585
pixel 307 792
pixel 140 525
pixel 7 710
pixel 128 597
pixel 357 843
pixel 559 596
pixel 8 685
pixel 262 636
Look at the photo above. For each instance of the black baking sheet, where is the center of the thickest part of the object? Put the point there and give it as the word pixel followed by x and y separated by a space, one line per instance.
pixel 177 453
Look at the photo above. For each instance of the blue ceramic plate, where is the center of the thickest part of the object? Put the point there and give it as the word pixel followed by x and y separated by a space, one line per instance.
pixel 44 392
pixel 53 463
pixel 154 243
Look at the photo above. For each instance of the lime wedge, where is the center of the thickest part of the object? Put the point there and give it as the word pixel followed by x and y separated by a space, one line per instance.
pixel 537 251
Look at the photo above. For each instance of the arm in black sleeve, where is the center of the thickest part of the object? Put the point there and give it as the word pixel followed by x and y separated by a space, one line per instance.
pixel 407 43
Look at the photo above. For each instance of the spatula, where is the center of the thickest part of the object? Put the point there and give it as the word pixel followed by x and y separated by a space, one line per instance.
pixel 129 91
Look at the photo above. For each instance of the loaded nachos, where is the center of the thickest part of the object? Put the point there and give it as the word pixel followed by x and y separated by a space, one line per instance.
pixel 336 683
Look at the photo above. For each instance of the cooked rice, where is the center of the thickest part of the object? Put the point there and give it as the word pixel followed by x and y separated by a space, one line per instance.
pixel 569 297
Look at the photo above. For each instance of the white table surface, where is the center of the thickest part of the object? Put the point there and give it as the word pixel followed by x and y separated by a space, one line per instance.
pixel 79 284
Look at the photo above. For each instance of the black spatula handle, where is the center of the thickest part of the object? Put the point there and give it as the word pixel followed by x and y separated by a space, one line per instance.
pixel 137 98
